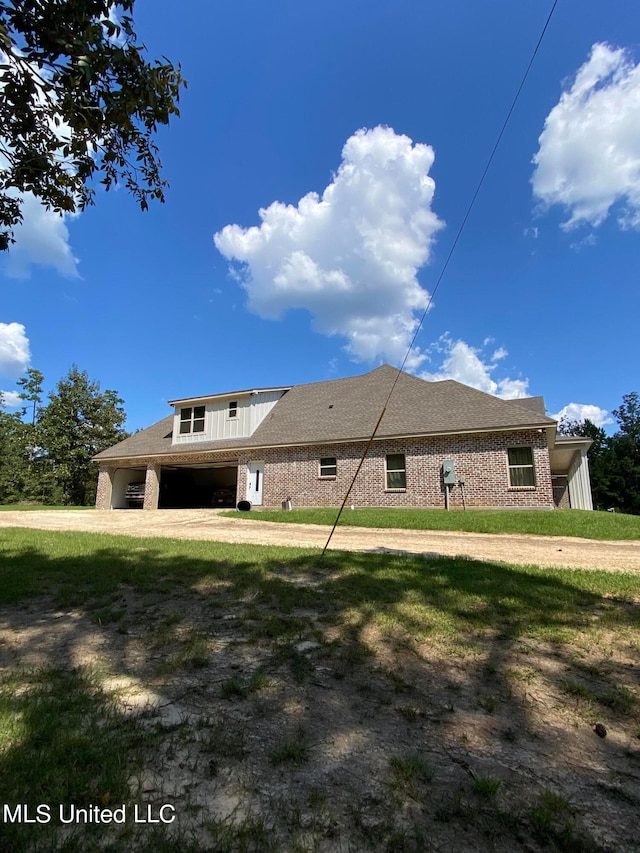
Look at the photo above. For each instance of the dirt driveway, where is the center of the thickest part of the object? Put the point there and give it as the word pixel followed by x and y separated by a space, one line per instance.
pixel 209 525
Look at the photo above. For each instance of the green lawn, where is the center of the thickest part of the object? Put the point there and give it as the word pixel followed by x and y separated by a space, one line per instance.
pixel 565 522
pixel 83 568
pixel 473 635
pixel 33 507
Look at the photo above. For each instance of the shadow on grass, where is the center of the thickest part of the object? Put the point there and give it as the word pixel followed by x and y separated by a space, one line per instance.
pixel 453 631
pixel 71 749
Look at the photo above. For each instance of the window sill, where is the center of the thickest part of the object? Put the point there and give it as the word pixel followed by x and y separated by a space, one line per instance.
pixel 395 490
pixel 330 477
pixel 522 488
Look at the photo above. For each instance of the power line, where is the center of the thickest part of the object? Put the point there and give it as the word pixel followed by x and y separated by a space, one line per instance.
pixel 445 265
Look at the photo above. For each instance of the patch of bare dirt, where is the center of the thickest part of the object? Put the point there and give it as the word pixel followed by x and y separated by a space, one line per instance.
pixel 308 732
pixel 567 552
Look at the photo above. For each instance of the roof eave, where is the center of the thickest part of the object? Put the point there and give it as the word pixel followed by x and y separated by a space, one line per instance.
pixel 248 392
pixel 267 446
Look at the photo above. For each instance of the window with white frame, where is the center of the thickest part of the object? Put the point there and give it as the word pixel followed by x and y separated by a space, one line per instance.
pixel 328 466
pixel 233 409
pixel 395 471
pixel 521 469
pixel 191 419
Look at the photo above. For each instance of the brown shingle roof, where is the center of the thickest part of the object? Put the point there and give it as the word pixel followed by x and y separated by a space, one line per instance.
pixel 535 403
pixel 156 441
pixel 348 409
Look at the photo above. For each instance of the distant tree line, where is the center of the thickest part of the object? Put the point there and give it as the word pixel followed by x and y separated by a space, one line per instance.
pixel 46 449
pixel 614 461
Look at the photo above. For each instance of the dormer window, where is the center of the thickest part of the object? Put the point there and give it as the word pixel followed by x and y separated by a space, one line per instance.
pixel 191 419
pixel 233 409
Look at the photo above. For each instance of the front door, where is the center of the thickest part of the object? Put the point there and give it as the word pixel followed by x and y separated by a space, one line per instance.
pixel 254 483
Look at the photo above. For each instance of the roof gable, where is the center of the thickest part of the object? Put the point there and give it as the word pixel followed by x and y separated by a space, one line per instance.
pixel 536 404
pixel 348 410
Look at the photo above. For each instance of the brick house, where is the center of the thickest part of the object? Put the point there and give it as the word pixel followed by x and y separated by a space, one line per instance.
pixel 436 442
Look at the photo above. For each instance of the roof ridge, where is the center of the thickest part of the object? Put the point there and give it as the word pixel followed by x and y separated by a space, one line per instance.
pixel 342 378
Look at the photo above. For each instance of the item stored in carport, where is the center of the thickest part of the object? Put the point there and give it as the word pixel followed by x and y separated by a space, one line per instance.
pixel 223 497
pixel 134 495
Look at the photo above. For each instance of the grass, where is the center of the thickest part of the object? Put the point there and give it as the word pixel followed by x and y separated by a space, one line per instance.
pixel 32 507
pixel 486 786
pixel 565 522
pixel 64 739
pixel 239 688
pixel 292 750
pixel 445 597
pixel 408 773
pixel 192 653
pixel 250 834
pixel 554 824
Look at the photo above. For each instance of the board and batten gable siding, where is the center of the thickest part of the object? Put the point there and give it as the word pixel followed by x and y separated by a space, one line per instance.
pixel 261 404
pixel 252 409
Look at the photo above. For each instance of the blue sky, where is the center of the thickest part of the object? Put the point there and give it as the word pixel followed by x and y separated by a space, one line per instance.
pixel 387 112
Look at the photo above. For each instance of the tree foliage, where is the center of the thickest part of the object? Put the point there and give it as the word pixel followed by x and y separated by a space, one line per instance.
pixel 625 474
pixel 628 416
pixel 31 385
pixel 9 451
pixel 79 422
pixel 77 96
pixel 49 458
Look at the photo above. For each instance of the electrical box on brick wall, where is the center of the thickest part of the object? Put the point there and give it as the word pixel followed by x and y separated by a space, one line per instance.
pixel 449 472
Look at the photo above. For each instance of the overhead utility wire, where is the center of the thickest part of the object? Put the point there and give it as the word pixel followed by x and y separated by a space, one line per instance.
pixel 444 268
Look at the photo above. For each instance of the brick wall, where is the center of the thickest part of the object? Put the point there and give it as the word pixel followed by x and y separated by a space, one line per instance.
pixel 152 486
pixel 103 493
pixel 294 472
pixel 481 459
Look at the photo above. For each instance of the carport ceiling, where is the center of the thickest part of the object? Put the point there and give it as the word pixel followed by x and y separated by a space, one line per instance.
pixel 200 465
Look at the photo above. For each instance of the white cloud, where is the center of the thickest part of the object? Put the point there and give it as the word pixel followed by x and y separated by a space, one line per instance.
pixel 11 400
pixel 14 349
pixel 41 238
pixel 583 411
pixel 350 257
pixel 579 245
pixel 589 155
pixel 465 364
pixel 118 39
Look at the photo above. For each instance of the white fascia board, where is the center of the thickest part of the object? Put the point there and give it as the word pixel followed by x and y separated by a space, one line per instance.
pixel 249 392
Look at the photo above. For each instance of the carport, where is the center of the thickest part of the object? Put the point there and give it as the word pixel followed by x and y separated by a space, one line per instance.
pixel 198 486
pixel 570 472
pixel 121 479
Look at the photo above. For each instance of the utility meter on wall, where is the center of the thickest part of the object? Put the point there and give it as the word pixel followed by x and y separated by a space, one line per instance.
pixel 449 472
